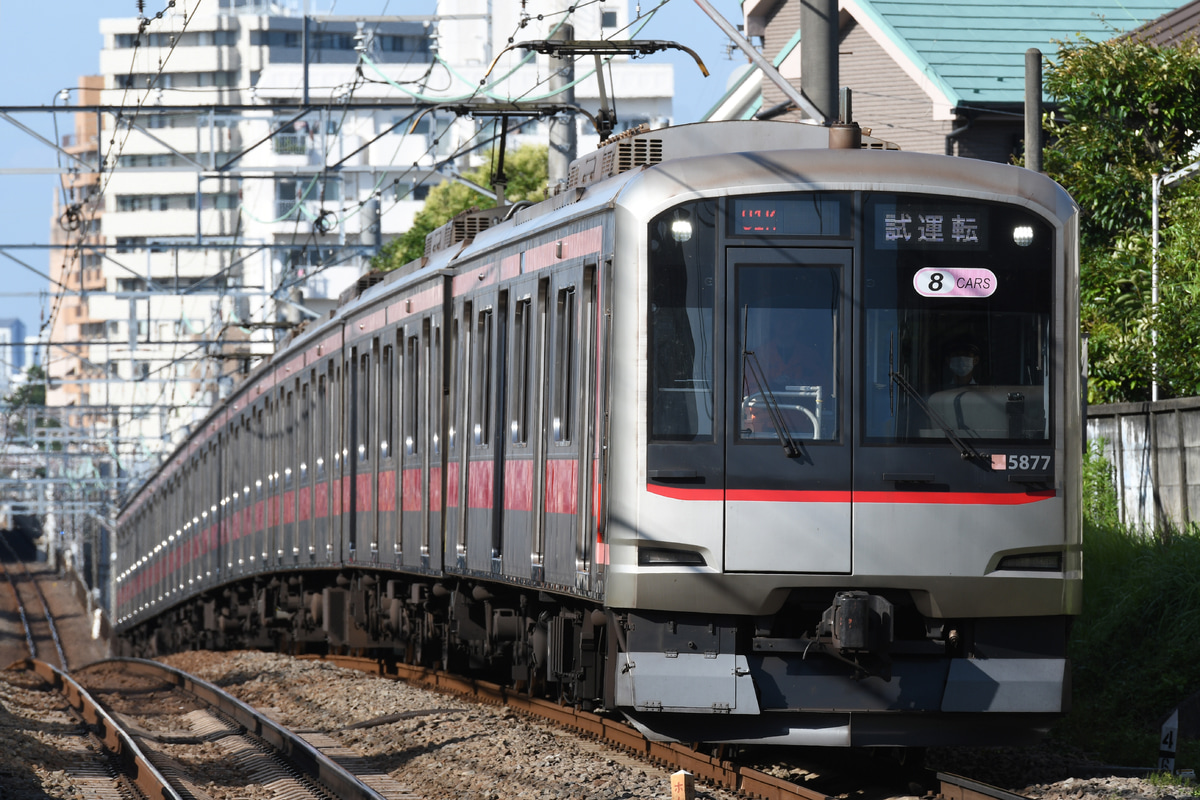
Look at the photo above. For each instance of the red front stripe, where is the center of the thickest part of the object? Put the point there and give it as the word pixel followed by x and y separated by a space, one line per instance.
pixel 784 496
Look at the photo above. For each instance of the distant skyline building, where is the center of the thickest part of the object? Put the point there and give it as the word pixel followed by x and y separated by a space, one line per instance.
pixel 12 339
pixel 258 162
pixel 12 353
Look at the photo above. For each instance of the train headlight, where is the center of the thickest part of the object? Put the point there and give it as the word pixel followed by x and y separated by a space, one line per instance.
pixel 681 230
pixel 1023 235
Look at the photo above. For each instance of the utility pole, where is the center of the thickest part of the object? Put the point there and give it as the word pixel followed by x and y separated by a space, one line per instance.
pixel 562 128
pixel 1157 183
pixel 1033 109
pixel 818 55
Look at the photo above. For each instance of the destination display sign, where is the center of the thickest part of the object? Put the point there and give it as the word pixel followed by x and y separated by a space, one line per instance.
pixel 930 227
pixel 788 215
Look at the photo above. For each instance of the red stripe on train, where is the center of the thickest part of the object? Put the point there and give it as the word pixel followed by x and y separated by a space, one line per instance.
pixel 411 490
pixel 387 490
pixel 562 486
pixel 305 495
pixel 956 498
pixel 784 496
pixel 362 498
pixel 518 485
pixel 321 500
pixel 479 484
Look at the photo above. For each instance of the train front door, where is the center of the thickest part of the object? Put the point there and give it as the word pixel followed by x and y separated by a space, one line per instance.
pixel 787 441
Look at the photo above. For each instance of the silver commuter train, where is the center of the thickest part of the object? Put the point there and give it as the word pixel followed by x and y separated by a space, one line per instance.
pixel 751 439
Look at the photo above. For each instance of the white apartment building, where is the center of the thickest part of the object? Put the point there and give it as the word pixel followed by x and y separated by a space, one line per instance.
pixel 244 190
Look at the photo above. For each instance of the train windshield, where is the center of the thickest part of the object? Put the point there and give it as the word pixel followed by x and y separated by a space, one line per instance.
pixel 682 294
pixel 787 351
pixel 957 320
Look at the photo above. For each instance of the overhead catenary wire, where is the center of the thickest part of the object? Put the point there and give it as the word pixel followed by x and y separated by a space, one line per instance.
pixel 414 176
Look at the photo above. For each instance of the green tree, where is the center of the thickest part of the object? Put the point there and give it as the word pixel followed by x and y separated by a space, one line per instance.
pixel 31 394
pixel 1126 110
pixel 525 169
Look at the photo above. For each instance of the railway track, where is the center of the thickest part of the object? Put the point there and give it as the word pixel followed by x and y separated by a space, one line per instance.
pixel 37 620
pixel 103 754
pixel 98 757
pixel 201 736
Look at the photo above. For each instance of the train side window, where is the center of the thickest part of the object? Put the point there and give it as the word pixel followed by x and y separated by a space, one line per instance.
pixel 456 381
pixel 337 422
pixel 682 296
pixel 322 420
pixel 562 416
pixel 267 428
pixel 522 357
pixel 364 407
pixel 482 376
pixel 412 366
pixel 435 388
pixel 304 435
pixel 263 460
pixel 289 439
pixel 387 391
pixel 232 459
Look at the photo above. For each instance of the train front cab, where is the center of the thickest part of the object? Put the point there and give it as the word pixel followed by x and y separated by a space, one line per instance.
pixel 838 540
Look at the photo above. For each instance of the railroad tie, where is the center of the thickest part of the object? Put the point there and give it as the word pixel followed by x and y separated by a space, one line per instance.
pixel 172 770
pixel 95 777
pixel 260 765
pixel 206 725
pixel 358 766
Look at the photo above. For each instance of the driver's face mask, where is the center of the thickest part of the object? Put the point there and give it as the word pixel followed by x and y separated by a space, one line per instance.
pixel 962 365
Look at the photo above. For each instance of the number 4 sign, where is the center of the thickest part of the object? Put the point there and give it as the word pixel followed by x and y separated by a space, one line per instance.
pixel 1166 745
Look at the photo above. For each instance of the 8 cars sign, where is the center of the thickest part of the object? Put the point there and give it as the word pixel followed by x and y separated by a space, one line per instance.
pixel 954 282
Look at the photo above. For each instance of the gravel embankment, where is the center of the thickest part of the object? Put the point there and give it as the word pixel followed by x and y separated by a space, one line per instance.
pixel 439 746
pixel 443 747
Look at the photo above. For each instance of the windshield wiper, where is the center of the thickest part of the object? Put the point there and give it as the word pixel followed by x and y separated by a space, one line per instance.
pixel 965 449
pixel 785 436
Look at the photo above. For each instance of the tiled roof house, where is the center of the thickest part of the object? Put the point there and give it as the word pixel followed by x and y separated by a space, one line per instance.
pixel 1181 23
pixel 932 77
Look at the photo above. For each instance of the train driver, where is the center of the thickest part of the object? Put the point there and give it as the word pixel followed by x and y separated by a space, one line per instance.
pixel 962 363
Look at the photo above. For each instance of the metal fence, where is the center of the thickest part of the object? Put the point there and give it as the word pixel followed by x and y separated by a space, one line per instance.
pixel 1155 452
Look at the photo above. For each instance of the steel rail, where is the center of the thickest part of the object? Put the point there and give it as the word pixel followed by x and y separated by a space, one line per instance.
pixel 304 756
pixel 62 657
pixel 29 644
pixel 956 787
pixel 134 762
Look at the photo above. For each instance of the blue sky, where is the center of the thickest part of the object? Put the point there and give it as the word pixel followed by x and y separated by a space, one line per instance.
pixel 46 47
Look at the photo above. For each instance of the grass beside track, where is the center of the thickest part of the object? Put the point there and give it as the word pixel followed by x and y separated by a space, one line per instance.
pixel 1135 649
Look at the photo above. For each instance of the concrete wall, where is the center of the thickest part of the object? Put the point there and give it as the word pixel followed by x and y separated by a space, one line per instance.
pixel 1155 450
